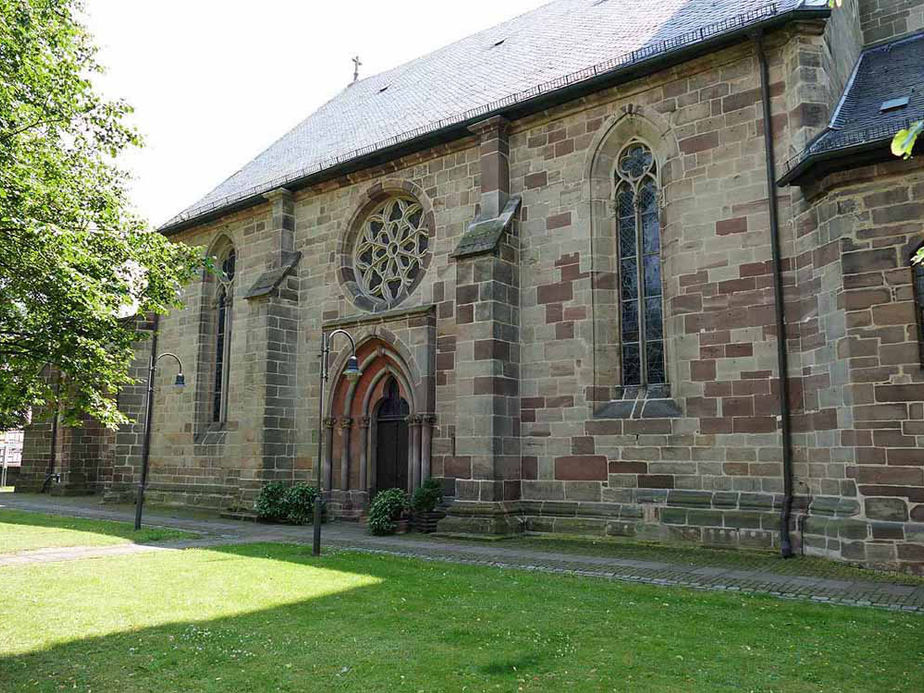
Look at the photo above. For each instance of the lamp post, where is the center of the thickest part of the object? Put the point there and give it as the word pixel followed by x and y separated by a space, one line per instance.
pixel 146 444
pixel 351 373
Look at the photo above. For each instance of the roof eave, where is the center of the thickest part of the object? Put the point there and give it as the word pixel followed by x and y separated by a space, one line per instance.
pixel 513 112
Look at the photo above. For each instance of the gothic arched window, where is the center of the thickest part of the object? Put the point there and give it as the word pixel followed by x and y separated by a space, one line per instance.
pixel 917 271
pixel 223 304
pixel 639 250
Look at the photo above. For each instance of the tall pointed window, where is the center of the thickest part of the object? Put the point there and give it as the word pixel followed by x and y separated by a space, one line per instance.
pixel 917 272
pixel 223 304
pixel 639 243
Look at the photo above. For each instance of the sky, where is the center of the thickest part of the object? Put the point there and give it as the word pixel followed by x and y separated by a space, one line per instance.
pixel 214 82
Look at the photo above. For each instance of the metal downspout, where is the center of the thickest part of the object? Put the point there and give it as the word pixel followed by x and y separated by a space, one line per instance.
pixel 782 356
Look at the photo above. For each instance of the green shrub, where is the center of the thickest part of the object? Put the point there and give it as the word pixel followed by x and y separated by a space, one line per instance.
pixel 427 496
pixel 271 503
pixel 386 508
pixel 299 501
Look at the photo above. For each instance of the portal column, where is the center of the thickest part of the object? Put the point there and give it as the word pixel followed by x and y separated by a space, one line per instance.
pixel 364 453
pixel 327 469
pixel 426 436
pixel 413 475
pixel 345 425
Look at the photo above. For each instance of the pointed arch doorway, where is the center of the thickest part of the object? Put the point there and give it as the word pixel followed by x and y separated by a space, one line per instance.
pixel 391 440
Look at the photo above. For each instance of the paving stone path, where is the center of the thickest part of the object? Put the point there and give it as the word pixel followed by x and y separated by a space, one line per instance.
pixel 215 532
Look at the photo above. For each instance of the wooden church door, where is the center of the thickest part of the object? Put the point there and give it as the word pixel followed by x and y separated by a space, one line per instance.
pixel 391 445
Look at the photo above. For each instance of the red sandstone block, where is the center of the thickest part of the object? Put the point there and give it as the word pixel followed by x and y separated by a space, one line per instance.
pixel 751 387
pixel 530 468
pixel 702 370
pixel 897 476
pixel 754 269
pixel 536 180
pixel 564 148
pixel 715 425
pixel 557 221
pixel 603 427
pixel 553 312
pixel 905 456
pixel 571 272
pixel 726 227
pixel 914 494
pixel 733 351
pixel 694 279
pixel 701 406
pixel 655 481
pixel 628 467
pixel 576 313
pixel 900 393
pixel 755 424
pixel 559 402
pixel 861 299
pixel 894 314
pixel 738 406
pixel 532 402
pixel 699 143
pixel 581 468
pixel 554 293
pixel 718 389
pixel 881 412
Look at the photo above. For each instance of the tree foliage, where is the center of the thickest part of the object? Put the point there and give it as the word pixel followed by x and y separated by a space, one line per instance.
pixel 75 264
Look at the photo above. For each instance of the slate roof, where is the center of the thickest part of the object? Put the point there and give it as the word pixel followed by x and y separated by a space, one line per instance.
pixel 557 45
pixel 884 72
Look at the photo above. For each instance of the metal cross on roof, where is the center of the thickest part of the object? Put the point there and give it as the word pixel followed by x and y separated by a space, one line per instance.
pixel 356 65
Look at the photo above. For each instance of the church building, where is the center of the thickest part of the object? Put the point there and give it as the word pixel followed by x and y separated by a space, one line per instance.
pixel 614 267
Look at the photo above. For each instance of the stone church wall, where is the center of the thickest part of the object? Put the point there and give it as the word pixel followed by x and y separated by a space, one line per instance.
pixel 510 359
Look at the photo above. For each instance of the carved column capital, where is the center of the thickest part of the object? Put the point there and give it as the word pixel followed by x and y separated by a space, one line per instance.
pixel 329 422
pixel 346 422
pixel 365 422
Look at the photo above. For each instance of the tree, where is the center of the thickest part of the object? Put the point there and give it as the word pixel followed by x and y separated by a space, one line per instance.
pixel 75 264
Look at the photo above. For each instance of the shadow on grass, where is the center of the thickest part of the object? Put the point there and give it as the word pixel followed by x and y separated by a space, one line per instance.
pixel 271 617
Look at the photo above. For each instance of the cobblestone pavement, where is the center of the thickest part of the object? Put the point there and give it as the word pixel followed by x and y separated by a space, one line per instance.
pixel 216 531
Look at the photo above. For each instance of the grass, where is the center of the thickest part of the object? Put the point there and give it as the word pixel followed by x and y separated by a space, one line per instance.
pixel 739 559
pixel 26 531
pixel 269 617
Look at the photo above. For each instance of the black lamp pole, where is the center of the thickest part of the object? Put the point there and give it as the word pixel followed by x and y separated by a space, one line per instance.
pixel 148 415
pixel 352 373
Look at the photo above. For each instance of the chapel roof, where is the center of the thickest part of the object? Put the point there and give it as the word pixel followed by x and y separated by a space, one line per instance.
pixel 884 94
pixel 559 46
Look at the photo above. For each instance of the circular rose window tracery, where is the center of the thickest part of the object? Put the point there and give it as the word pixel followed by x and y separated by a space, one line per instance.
pixel 390 250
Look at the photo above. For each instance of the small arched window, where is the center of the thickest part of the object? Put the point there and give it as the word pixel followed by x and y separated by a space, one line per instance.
pixel 639 249
pixel 223 304
pixel 917 272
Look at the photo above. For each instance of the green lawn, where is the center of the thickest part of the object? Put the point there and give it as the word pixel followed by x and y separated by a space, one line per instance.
pixel 25 531
pixel 269 617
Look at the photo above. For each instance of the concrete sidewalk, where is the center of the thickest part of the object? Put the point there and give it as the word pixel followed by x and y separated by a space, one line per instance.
pixel 215 531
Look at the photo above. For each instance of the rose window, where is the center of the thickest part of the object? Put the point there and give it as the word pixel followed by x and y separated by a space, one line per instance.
pixel 389 251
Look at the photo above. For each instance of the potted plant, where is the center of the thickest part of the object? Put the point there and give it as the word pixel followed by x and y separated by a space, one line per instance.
pixel 387 513
pixel 424 503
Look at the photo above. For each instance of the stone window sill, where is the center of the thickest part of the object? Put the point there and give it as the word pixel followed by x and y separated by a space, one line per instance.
pixel 633 402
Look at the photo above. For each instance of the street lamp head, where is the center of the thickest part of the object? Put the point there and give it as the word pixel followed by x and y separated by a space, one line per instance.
pixel 352 372
pixel 180 380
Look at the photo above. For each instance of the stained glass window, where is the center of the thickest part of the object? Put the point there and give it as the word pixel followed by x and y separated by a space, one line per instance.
pixel 918 274
pixel 639 247
pixel 223 337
